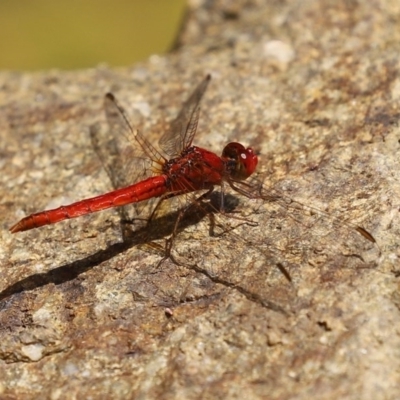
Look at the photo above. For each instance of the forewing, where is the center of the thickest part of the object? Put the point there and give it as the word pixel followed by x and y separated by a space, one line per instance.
pixel 121 153
pixel 137 154
pixel 182 129
pixel 325 239
pixel 270 246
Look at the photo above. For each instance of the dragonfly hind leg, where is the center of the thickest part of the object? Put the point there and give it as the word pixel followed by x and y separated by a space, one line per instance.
pixel 169 242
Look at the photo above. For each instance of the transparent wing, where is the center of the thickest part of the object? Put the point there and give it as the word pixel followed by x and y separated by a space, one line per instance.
pixel 182 129
pixel 270 247
pixel 126 156
pixel 129 157
pixel 137 154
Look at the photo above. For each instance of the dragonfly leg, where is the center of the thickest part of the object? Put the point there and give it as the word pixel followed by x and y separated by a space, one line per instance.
pixel 163 198
pixel 170 241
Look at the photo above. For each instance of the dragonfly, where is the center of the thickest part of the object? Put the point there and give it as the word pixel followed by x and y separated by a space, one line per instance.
pixel 176 168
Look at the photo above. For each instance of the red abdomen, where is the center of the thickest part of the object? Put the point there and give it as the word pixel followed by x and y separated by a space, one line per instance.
pixel 151 187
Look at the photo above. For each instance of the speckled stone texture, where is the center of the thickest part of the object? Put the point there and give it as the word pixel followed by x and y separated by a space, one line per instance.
pixel 314 87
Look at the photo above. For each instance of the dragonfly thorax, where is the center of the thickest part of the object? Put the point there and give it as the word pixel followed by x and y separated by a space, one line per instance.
pixel 195 169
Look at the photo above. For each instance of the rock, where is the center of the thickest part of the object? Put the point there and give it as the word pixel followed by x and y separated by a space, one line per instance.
pixel 312 86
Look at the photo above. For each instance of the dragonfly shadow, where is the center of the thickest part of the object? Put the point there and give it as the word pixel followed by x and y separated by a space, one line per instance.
pixel 159 228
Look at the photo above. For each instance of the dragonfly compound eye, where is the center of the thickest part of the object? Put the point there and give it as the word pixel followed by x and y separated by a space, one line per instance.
pixel 245 160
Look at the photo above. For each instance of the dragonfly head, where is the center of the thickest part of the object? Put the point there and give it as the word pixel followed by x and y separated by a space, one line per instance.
pixel 244 160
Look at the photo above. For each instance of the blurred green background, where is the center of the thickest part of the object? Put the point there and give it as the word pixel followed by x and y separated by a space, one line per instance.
pixel 43 34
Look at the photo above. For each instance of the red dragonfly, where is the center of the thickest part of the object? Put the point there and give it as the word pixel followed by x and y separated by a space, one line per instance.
pixel 177 169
